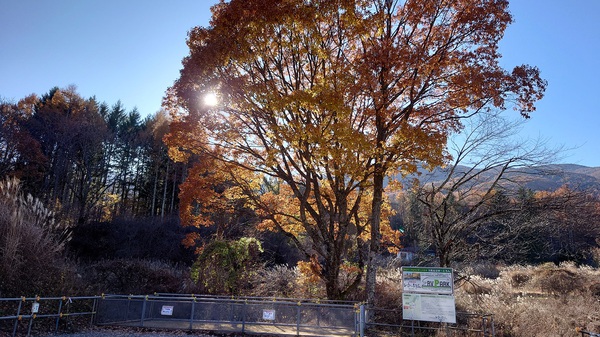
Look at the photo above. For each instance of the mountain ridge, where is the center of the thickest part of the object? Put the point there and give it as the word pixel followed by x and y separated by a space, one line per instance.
pixel 547 178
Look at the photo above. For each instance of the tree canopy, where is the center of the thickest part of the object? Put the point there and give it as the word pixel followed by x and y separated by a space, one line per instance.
pixel 325 98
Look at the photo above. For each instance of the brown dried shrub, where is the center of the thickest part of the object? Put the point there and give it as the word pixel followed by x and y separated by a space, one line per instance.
pixel 278 281
pixel 519 279
pixel 474 287
pixel 553 302
pixel 594 289
pixel 558 281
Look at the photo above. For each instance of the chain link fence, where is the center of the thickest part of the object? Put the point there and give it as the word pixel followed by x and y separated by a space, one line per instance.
pixel 248 315
pixel 467 324
pixel 252 315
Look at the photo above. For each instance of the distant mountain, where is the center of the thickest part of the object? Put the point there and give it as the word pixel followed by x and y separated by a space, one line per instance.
pixel 543 178
pixel 577 177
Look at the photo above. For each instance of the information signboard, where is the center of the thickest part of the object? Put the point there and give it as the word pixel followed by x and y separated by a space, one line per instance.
pixel 269 314
pixel 427 280
pixel 166 310
pixel 428 307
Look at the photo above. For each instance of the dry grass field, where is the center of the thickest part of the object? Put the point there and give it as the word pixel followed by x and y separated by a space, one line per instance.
pixel 526 301
pixel 545 300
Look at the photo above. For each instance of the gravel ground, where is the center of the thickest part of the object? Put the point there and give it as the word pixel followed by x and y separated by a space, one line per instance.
pixel 124 332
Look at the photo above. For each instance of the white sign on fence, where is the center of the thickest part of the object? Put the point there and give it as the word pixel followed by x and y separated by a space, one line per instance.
pixel 35 308
pixel 427 280
pixel 166 310
pixel 269 315
pixel 428 307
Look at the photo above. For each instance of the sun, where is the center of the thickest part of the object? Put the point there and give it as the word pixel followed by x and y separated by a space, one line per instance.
pixel 211 99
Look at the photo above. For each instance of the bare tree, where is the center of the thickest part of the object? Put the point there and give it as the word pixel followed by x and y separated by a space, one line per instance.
pixel 488 159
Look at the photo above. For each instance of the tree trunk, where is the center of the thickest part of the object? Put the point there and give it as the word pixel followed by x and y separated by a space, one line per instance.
pixel 154 191
pixel 332 274
pixel 164 199
pixel 173 185
pixel 375 234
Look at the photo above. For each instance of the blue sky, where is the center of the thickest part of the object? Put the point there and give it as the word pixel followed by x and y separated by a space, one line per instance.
pixel 132 50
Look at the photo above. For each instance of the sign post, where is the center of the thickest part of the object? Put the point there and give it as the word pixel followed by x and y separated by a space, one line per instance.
pixel 428 294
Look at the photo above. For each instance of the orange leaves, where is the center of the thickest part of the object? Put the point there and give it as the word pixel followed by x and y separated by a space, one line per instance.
pixel 281 212
pixel 311 270
pixel 207 191
pixel 190 240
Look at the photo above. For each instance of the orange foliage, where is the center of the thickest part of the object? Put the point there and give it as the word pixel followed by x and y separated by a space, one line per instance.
pixel 311 270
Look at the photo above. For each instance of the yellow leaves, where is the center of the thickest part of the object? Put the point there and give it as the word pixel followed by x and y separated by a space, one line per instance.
pixel 390 238
pixel 394 185
pixel 310 270
pixel 28 103
pixel 177 155
pixel 267 225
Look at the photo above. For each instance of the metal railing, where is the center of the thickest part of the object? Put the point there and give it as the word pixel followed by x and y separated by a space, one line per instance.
pixel 467 324
pixel 587 333
pixel 24 313
pixel 251 315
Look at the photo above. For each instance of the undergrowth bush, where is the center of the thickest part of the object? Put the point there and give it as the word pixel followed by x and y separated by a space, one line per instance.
pixel 127 276
pixel 227 267
pixel 277 281
pixel 388 288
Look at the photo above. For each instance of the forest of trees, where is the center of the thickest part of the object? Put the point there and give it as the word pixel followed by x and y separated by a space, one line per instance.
pixel 90 160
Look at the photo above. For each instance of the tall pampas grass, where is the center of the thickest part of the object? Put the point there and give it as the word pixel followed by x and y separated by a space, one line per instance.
pixel 31 244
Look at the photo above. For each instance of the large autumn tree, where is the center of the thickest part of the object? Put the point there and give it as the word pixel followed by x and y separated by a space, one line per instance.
pixel 328 97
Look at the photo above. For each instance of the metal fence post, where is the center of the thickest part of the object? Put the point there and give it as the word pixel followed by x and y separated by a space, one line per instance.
pixel 94 311
pixel 244 316
pixel 31 318
pixel 319 313
pixel 18 315
pixel 362 320
pixel 192 313
pixel 60 303
pixel 144 309
pixel 298 320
